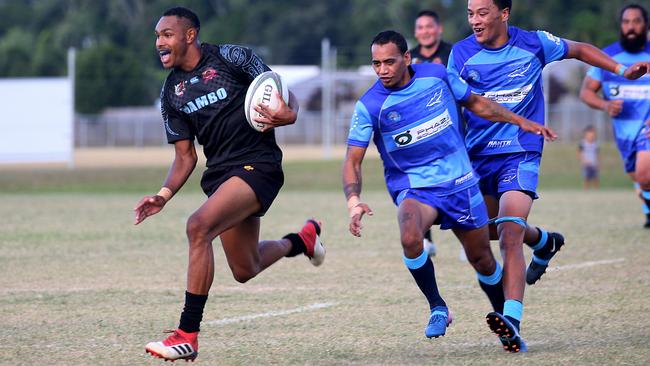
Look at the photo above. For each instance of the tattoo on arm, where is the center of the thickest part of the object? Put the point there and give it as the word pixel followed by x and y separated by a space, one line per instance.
pixel 352 189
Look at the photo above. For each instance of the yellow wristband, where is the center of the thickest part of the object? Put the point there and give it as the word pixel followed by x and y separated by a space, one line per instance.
pixel 165 193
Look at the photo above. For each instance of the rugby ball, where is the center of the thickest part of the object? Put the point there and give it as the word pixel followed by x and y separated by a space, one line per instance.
pixel 263 91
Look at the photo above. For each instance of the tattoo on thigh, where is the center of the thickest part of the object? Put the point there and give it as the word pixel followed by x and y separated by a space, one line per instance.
pixel 405 216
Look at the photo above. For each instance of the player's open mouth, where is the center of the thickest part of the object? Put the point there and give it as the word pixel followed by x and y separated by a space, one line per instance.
pixel 165 55
pixel 478 31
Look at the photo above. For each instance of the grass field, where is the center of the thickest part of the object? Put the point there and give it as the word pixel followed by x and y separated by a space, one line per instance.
pixel 80 285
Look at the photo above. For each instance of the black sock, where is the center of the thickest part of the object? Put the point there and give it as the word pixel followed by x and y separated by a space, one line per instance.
pixel 192 313
pixel 427 235
pixel 494 294
pixel 425 277
pixel 297 246
pixel 514 322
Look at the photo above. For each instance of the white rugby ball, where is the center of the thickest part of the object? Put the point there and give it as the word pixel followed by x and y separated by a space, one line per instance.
pixel 263 91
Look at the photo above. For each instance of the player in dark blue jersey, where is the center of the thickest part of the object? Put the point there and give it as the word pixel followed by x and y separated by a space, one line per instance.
pixel 627 101
pixel 411 114
pixel 504 63
pixel 203 99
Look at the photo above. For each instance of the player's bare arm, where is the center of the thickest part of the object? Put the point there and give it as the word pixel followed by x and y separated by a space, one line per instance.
pixel 589 95
pixel 492 111
pixel 352 188
pixel 286 114
pixel 180 170
pixel 595 57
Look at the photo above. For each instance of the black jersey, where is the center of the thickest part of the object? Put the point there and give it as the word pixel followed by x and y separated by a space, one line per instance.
pixel 207 103
pixel 441 56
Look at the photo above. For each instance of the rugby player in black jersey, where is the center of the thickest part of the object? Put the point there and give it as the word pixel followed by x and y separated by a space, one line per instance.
pixel 203 99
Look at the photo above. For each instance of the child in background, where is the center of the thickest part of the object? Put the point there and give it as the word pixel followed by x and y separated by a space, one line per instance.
pixel 588 154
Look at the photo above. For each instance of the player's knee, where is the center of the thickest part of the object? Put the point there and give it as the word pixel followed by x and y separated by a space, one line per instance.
pixel 481 262
pixel 244 274
pixel 643 178
pixel 196 230
pixel 411 242
pixel 511 238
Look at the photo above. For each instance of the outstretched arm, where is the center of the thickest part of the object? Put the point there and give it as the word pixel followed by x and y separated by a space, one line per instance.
pixel 589 95
pixel 183 165
pixel 492 111
pixel 595 57
pixel 352 188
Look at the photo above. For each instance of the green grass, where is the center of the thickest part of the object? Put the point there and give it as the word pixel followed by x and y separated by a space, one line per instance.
pixel 79 285
pixel 560 170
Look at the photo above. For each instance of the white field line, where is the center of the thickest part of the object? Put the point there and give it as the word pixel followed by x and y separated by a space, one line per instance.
pixel 586 264
pixel 270 314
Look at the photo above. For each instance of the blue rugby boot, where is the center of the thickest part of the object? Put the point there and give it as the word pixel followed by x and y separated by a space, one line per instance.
pixel 507 332
pixel 542 257
pixel 439 320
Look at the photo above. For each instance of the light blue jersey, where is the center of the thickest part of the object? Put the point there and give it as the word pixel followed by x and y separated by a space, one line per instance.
pixel 416 130
pixel 512 76
pixel 636 102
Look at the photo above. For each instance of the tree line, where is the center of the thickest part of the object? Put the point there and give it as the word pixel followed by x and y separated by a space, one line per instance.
pixel 117 64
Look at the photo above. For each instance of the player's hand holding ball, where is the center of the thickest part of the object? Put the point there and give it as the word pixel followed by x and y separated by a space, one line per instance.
pixel 268 101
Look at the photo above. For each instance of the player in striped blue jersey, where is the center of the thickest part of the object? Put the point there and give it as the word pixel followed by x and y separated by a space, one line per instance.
pixel 627 101
pixel 411 111
pixel 504 63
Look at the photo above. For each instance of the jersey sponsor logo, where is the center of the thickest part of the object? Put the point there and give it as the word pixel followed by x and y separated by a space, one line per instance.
pixel 194 80
pixel 630 92
pixel 208 74
pixel 179 88
pixel 496 144
pixel 205 100
pixel 464 179
pixel 436 99
pixel 509 96
pixel 473 75
pixel 394 116
pixel 552 38
pixel 520 72
pixel 423 131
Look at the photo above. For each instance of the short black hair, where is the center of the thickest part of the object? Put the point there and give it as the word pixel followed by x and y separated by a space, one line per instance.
pixel 589 128
pixel 390 36
pixel 502 4
pixel 429 13
pixel 644 13
pixel 185 13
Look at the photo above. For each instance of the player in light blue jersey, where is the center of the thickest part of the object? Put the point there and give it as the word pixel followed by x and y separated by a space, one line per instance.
pixel 626 101
pixel 411 114
pixel 504 63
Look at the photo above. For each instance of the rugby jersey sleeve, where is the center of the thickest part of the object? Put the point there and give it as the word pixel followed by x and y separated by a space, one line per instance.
pixel 360 127
pixel 243 60
pixel 555 48
pixel 458 86
pixel 176 127
pixel 595 73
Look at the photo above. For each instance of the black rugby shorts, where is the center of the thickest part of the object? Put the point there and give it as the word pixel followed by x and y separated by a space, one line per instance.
pixel 265 179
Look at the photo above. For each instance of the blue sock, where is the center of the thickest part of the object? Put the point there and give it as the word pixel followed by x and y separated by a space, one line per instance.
pixel 513 309
pixel 541 242
pixel 425 276
pixel 492 285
